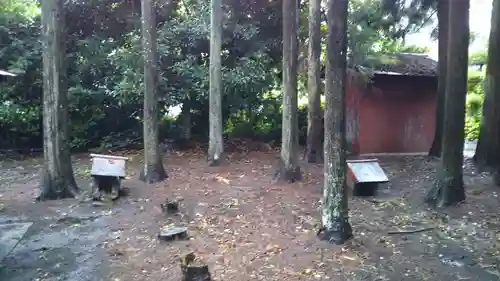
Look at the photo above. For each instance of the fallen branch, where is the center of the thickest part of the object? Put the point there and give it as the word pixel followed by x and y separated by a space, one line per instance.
pixel 410 231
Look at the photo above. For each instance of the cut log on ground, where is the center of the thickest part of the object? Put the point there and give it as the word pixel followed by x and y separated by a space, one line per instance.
pixel 170 206
pixel 193 269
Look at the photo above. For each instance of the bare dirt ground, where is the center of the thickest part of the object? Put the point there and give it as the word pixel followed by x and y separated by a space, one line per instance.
pixel 245 227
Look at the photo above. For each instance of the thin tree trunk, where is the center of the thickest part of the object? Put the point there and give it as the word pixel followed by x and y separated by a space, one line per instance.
pixel 443 15
pixel 216 145
pixel 186 120
pixel 153 165
pixel 449 186
pixel 57 173
pixel 288 167
pixel 335 214
pixel 314 151
pixel 488 147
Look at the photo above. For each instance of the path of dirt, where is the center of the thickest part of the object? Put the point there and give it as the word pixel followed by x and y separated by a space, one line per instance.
pixel 247 228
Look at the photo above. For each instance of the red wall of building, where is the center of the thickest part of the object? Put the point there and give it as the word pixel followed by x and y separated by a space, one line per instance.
pixel 395 115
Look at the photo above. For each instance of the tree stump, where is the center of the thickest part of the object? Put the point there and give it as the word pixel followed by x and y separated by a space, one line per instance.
pixel 194 269
pixel 170 206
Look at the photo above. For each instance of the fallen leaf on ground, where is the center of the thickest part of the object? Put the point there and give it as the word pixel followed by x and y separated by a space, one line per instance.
pixel 222 179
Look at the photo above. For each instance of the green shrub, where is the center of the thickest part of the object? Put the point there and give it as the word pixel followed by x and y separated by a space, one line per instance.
pixel 474 104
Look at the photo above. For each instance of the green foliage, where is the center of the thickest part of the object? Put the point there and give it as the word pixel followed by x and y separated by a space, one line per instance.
pixel 23 8
pixel 20 97
pixel 478 58
pixel 265 123
pixel 105 66
pixel 105 76
pixel 413 49
pixel 381 26
pixel 474 104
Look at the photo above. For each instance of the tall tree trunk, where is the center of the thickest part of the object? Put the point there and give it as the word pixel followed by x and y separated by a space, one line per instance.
pixel 216 145
pixel 314 150
pixel 443 18
pixel 288 167
pixel 153 165
pixel 57 173
pixel 335 215
pixel 488 147
pixel 449 186
pixel 186 120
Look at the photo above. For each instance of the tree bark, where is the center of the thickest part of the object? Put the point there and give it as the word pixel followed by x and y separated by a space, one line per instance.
pixel 58 180
pixel 186 120
pixel 288 167
pixel 449 187
pixel 443 17
pixel 335 215
pixel 488 147
pixel 216 145
pixel 153 165
pixel 314 151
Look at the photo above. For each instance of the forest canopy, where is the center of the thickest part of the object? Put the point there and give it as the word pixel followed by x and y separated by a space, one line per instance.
pixel 104 75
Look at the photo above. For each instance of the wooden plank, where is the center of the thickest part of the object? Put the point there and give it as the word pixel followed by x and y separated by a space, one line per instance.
pixel 368 170
pixel 108 156
pixel 361 160
pixel 108 165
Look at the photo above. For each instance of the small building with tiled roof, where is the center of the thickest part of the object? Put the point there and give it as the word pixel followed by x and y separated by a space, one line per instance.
pixel 394 109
